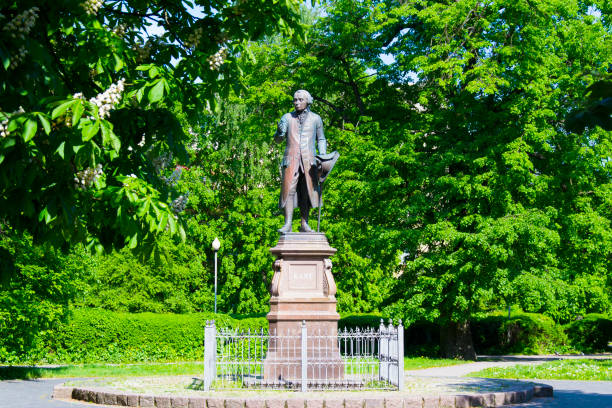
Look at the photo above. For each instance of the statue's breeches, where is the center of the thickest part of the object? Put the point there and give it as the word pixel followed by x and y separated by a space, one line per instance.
pixel 297 188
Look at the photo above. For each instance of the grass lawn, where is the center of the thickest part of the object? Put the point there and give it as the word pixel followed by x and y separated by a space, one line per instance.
pixel 161 369
pixel 103 370
pixel 587 370
pixel 417 363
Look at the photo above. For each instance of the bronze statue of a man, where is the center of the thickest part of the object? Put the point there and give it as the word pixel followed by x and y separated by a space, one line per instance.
pixel 302 129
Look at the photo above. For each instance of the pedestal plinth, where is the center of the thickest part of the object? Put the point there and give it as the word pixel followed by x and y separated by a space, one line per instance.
pixel 303 289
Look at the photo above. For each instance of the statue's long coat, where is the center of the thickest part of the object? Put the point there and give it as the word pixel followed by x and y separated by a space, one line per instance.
pixel 300 154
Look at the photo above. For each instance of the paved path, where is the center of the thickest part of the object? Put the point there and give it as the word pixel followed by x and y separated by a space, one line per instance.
pixel 33 394
pixel 567 394
pixel 574 394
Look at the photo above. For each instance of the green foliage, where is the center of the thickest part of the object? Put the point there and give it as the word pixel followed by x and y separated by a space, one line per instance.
pixel 95 335
pixel 99 93
pixel 360 321
pixel 460 187
pixel 523 333
pixel 37 284
pixel 175 283
pixel 592 333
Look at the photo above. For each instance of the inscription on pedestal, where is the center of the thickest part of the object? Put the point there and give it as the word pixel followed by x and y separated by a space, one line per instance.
pixel 303 276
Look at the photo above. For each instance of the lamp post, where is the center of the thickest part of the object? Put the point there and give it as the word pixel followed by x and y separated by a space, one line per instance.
pixel 215 246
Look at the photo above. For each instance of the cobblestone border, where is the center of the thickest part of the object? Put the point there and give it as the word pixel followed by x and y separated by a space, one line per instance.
pixel 494 399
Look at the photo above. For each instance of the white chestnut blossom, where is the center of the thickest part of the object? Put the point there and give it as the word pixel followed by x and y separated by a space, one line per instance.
pixel 86 178
pixel 108 99
pixel 5 119
pixel 120 30
pixel 194 38
pixel 162 161
pixel 216 60
pixel 3 127
pixel 143 52
pixel 178 205
pixel 18 58
pixel 22 24
pixel 92 6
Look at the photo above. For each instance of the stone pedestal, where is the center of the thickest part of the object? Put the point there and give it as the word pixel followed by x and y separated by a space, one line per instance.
pixel 303 289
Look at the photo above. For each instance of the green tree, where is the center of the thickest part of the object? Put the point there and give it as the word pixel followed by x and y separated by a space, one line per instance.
pixel 503 189
pixel 94 102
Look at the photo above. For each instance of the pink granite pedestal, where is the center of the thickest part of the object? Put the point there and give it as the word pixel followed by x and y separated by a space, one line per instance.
pixel 303 289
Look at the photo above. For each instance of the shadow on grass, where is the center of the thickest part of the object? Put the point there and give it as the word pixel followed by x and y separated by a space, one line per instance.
pixel 520 358
pixel 29 373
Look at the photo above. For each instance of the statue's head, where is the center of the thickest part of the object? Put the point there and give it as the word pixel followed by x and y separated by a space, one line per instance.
pixel 301 100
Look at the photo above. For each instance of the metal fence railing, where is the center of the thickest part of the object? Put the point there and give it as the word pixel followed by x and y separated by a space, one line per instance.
pixel 371 359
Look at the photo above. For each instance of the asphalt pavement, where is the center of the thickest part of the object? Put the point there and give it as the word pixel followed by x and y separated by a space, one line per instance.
pixel 33 394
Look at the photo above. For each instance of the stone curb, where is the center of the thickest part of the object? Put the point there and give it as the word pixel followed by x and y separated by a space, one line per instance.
pixel 493 399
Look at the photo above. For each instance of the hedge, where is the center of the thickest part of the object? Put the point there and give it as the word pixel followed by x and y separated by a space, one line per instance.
pixel 523 333
pixel 590 334
pixel 95 335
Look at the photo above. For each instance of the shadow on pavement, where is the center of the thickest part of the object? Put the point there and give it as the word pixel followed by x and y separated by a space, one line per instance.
pixel 27 372
pixel 571 399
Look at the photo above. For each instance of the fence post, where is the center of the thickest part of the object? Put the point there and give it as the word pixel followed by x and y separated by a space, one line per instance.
pixel 304 357
pixel 400 356
pixel 210 351
pixel 383 352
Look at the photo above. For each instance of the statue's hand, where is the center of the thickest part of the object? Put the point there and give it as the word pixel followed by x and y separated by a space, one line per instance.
pixel 282 127
pixel 281 130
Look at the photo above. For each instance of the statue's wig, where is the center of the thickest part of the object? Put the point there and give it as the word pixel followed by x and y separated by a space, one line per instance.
pixel 305 93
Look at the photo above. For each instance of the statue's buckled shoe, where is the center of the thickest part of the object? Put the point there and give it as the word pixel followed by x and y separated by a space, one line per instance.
pixel 305 228
pixel 285 228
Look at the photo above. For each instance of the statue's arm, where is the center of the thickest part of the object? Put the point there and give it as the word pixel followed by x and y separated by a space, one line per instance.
pixel 321 141
pixel 281 130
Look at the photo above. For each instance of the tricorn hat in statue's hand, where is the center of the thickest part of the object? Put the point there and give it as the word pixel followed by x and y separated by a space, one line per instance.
pixel 325 164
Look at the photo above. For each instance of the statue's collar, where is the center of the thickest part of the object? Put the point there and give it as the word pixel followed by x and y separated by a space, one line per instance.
pixel 295 114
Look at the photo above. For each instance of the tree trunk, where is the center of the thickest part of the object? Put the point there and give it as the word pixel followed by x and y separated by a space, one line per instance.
pixel 456 341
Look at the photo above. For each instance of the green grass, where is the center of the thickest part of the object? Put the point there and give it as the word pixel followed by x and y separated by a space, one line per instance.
pixel 587 370
pixel 417 363
pixel 153 369
pixel 102 370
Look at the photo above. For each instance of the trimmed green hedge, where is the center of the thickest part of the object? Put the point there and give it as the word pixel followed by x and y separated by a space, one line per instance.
pixel 590 334
pixel 523 333
pixel 95 335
